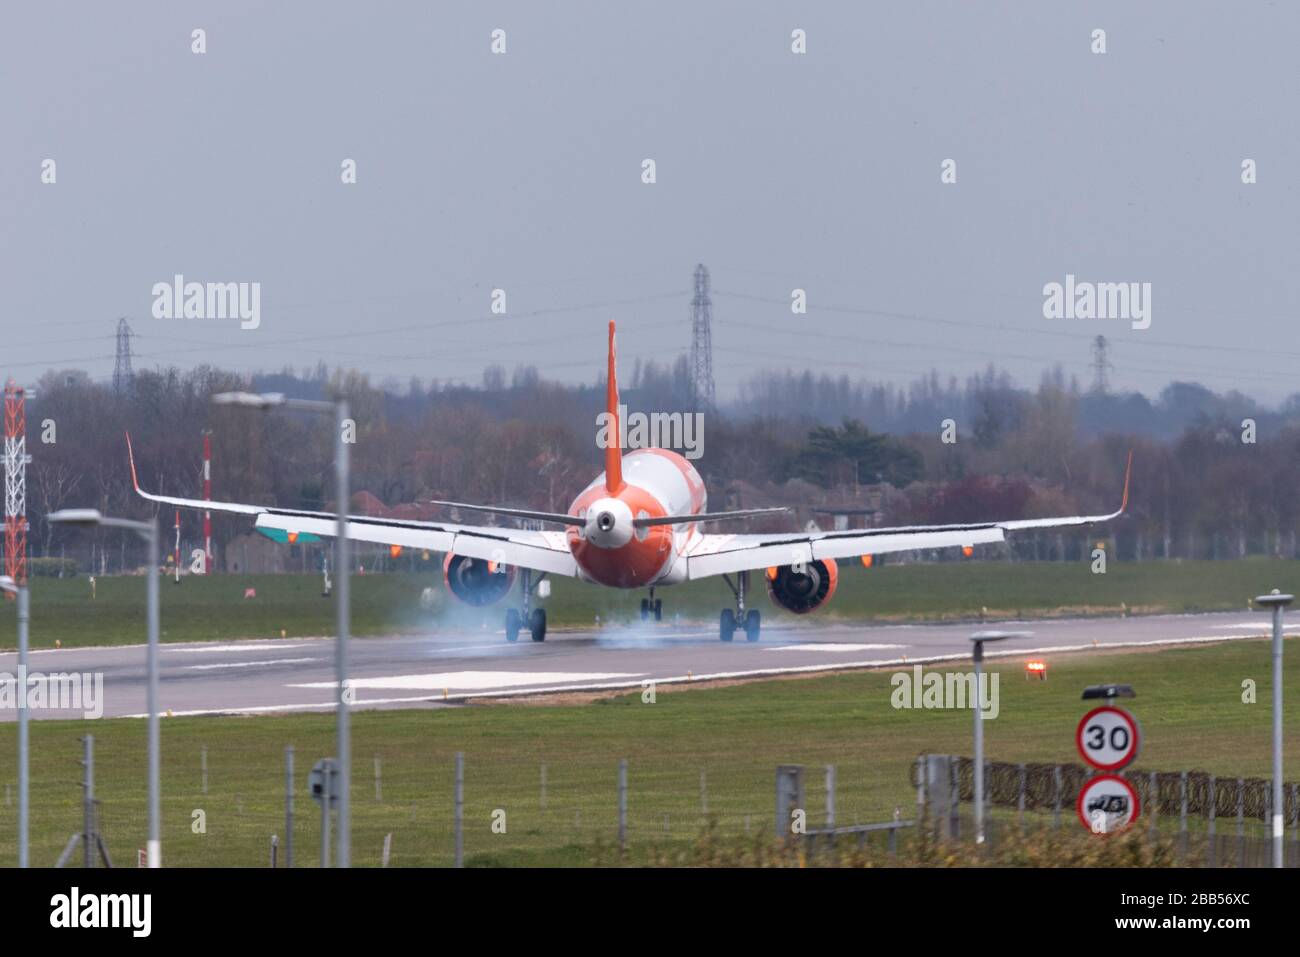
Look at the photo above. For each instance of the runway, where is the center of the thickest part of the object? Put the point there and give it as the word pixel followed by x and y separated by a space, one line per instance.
pixel 446 669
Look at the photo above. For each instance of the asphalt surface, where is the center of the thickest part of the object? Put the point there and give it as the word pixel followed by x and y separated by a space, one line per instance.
pixel 450 667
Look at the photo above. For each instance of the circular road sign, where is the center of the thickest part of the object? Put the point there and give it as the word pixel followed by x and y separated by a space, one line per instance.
pixel 1108 803
pixel 1108 738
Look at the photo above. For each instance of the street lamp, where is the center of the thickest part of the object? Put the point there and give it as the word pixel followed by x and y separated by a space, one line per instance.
pixel 267 401
pixel 9 585
pixel 91 518
pixel 980 639
pixel 1277 602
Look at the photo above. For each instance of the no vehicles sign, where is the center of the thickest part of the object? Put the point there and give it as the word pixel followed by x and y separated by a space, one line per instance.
pixel 1108 738
pixel 1108 803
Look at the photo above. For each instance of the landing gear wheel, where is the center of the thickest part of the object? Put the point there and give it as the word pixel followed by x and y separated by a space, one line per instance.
pixel 752 621
pixel 659 609
pixel 537 624
pixel 645 608
pixel 513 624
pixel 727 626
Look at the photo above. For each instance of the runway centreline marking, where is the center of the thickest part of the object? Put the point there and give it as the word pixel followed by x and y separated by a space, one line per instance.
pixel 717 676
pixel 251 664
pixel 467 680
pixel 832 646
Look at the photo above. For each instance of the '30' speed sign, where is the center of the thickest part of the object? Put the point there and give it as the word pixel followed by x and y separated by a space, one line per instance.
pixel 1108 738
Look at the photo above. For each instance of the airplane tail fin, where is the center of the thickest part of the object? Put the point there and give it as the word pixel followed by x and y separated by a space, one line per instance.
pixel 614 448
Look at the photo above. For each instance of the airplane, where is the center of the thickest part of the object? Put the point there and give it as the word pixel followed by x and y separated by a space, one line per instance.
pixel 635 526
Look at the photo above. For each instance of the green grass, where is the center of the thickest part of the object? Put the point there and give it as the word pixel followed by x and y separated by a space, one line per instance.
pixel 1189 704
pixel 214 608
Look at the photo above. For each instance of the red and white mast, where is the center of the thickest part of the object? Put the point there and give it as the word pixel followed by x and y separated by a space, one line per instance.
pixel 15 460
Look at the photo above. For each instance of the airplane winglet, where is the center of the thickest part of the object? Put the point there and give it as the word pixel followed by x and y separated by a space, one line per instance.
pixel 1128 472
pixel 130 455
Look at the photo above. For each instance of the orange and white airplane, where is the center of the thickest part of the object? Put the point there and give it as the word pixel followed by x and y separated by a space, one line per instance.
pixel 637 525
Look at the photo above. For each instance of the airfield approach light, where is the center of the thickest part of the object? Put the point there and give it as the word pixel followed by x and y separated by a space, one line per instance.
pixel 868 561
pixel 1277 601
pixel 1036 667
pixel 967 550
pixel 979 639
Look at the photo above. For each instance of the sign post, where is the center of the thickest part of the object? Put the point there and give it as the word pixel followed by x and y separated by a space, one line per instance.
pixel 1109 739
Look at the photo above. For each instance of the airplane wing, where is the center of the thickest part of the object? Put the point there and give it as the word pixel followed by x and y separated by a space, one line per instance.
pixel 722 554
pixel 540 551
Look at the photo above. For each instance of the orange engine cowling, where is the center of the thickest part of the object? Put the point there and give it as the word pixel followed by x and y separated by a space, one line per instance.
pixel 802 591
pixel 477 581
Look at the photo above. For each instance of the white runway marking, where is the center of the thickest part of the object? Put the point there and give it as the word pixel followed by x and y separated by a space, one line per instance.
pixel 251 664
pixel 468 680
pixel 833 646
pixel 242 646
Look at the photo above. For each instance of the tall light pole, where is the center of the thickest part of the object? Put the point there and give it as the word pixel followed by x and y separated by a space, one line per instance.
pixel 9 585
pixel 91 518
pixel 339 409
pixel 1277 602
pixel 980 639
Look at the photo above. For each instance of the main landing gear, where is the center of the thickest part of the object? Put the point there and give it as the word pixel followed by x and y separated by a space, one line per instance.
pixel 534 620
pixel 747 621
pixel 652 605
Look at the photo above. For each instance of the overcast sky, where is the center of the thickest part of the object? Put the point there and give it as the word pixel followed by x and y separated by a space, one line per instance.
pixel 779 171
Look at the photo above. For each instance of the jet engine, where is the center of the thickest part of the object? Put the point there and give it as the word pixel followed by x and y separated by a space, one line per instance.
pixel 803 589
pixel 477 581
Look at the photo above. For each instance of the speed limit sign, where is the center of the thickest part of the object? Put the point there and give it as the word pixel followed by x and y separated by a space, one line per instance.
pixel 1108 738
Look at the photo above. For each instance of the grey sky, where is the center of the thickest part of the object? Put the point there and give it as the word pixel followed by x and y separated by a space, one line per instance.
pixel 779 171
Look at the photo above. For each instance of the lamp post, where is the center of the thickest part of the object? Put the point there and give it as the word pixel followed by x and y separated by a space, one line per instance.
pixel 339 409
pixel 980 639
pixel 1277 601
pixel 9 585
pixel 91 518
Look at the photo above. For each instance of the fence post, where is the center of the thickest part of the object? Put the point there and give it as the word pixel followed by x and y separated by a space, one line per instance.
pixel 288 806
pixel 1213 839
pixel 622 803
pixel 954 796
pixel 830 795
pixel 1154 801
pixel 1056 809
pixel 203 765
pixel 1020 801
pixel 920 791
pixel 1182 815
pixel 379 787
pixel 275 845
pixel 460 809
pixel 1241 822
pixel 88 809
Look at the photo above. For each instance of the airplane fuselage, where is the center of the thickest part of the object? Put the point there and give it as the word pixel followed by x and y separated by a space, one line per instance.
pixel 609 550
